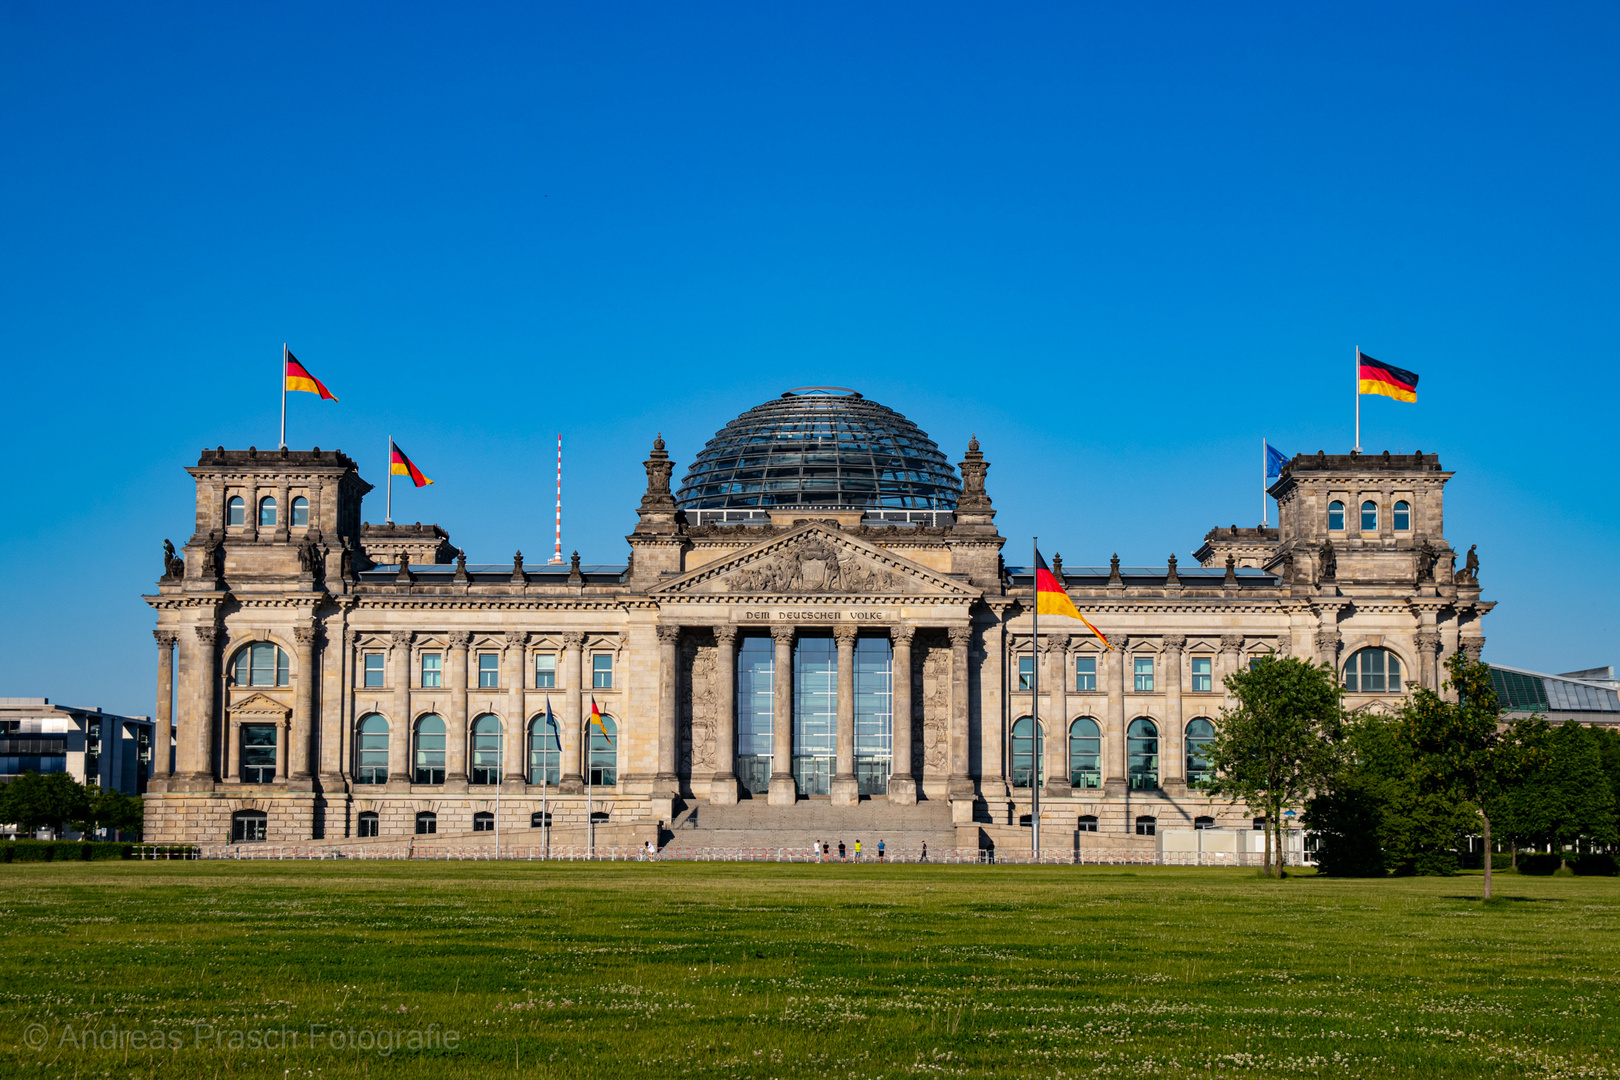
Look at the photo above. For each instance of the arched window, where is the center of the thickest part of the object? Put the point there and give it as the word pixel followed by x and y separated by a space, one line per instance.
pixel 249 826
pixel 486 750
pixel 1199 733
pixel 371 750
pixel 369 825
pixel 605 753
pixel 267 512
pixel 1202 823
pixel 539 819
pixel 1142 754
pixel 1087 823
pixel 545 751
pixel 263 663
pixel 427 822
pixel 258 753
pixel 599 817
pixel 1026 755
pixel 1373 671
pixel 1403 516
pixel 429 751
pixel 1085 753
pixel 1147 825
pixel 236 511
pixel 1335 516
pixel 483 821
pixel 300 511
pixel 1369 516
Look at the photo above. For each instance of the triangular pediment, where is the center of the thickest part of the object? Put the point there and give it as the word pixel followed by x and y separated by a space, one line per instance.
pixel 814 560
pixel 259 707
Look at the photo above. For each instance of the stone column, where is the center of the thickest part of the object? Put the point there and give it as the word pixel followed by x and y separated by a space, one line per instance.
pixel 571 781
pixel 399 725
pixel 250 520
pixel 1230 656
pixel 513 766
pixel 1055 744
pixel 455 743
pixel 197 730
pixel 666 783
pixel 723 785
pixel 1172 752
pixel 1428 650
pixel 230 770
pixel 282 729
pixel 959 785
pixel 283 510
pixel 1327 648
pixel 162 762
pixel 902 784
pixel 845 789
pixel 784 792
pixel 1114 721
pixel 303 705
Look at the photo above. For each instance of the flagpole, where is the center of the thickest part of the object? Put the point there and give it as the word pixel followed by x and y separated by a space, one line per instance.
pixel 1265 470
pixel 1358 399
pixel 388 471
pixel 283 395
pixel 1035 710
pixel 545 773
pixel 590 823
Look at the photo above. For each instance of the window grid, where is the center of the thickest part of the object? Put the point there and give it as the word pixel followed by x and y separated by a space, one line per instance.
pixel 602 671
pixel 489 671
pixel 1203 674
pixel 1144 674
pixel 432 671
pixel 374 669
pixel 545 671
pixel 1085 674
pixel 1335 516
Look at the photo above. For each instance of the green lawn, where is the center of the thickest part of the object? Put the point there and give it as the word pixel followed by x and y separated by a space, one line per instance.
pixel 740 970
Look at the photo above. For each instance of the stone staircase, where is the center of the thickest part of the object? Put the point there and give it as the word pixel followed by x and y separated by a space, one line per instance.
pixel 754 824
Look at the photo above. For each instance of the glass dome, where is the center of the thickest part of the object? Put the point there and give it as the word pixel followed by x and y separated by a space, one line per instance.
pixel 820 446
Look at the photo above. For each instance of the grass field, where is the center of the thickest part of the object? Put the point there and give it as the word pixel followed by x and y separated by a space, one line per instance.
pixel 739 970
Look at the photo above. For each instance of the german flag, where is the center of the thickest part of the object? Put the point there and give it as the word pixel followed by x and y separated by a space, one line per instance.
pixel 299 378
pixel 596 716
pixel 400 465
pixel 1377 377
pixel 1051 599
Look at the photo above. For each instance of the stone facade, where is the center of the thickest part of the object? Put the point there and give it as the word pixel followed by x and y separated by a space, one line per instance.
pixel 292 628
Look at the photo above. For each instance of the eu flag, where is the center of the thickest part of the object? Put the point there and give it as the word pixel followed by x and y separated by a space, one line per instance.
pixel 1275 460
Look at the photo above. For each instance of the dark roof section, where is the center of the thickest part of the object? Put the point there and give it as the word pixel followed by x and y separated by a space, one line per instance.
pixel 1197 577
pixel 254 456
pixel 544 574
pixel 820 447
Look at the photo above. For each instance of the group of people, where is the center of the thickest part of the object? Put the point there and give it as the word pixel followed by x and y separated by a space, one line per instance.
pixel 824 851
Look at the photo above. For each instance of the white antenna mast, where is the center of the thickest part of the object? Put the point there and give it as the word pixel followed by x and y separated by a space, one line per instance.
pixel 556 555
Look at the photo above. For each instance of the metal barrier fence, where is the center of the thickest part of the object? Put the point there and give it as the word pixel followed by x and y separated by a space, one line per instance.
pixel 603 853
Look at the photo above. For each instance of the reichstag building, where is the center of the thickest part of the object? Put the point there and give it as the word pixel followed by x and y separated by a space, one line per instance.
pixel 819 611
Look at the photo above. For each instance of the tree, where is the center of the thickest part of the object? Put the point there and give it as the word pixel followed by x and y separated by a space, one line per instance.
pixel 1462 746
pixel 1564 796
pixel 1283 734
pixel 108 808
pixel 33 801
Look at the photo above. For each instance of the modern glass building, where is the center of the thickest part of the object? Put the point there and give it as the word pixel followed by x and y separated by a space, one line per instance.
pixel 1578 695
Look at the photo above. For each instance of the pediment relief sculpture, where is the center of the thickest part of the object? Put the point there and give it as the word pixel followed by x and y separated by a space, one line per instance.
pixel 815 561
pixel 261 707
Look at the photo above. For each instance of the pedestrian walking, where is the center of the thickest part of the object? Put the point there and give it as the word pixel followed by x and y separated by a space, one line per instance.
pixel 818 850
pixel 857 851
pixel 840 851
pixel 880 851
pixel 924 853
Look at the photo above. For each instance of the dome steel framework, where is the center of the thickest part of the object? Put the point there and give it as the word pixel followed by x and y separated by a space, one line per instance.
pixel 820 446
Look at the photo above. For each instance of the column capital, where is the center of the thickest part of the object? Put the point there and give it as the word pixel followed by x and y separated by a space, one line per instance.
pixel 783 634
pixel 667 633
pixel 1231 643
pixel 305 635
pixel 516 639
pixel 1175 642
pixel 460 639
pixel 725 634
pixel 573 639
pixel 844 635
pixel 208 635
pixel 1427 640
pixel 1473 648
pixel 401 639
pixel 1055 643
pixel 960 636
pixel 1327 643
pixel 165 639
pixel 902 634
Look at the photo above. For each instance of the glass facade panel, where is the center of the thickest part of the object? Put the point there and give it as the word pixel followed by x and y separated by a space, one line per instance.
pixel 486 751
pixel 1199 733
pixel 756 696
pixel 258 753
pixel 371 751
pixel 429 751
pixel 545 751
pixel 1085 674
pixel 1026 754
pixel 873 715
pixel 1203 674
pixel 1142 754
pixel 1085 753
pixel 815 717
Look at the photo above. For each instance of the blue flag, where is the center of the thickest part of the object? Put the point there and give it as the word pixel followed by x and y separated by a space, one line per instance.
pixel 1275 460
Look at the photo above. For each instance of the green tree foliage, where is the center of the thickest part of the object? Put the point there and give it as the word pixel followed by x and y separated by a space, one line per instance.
pixel 1461 747
pixel 34 801
pixel 1565 796
pixel 109 809
pixel 1281 736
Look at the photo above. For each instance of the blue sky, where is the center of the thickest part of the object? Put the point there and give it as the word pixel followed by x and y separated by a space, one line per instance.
pixel 1121 243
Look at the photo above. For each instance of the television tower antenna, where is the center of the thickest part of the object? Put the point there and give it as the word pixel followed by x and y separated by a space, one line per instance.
pixel 556 555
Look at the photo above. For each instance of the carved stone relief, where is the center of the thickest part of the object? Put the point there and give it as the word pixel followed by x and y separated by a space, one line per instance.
pixel 931 697
pixel 697 707
pixel 812 565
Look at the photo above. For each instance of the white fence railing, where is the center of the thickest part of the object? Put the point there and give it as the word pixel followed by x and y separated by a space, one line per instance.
pixel 605 853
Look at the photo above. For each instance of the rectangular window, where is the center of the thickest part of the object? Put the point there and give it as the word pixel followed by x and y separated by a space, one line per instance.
pixel 545 671
pixel 489 671
pixel 756 695
pixel 1026 672
pixel 873 720
pixel 430 671
pixel 1144 674
pixel 602 671
pixel 258 753
pixel 1203 674
pixel 1085 673
pixel 374 669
